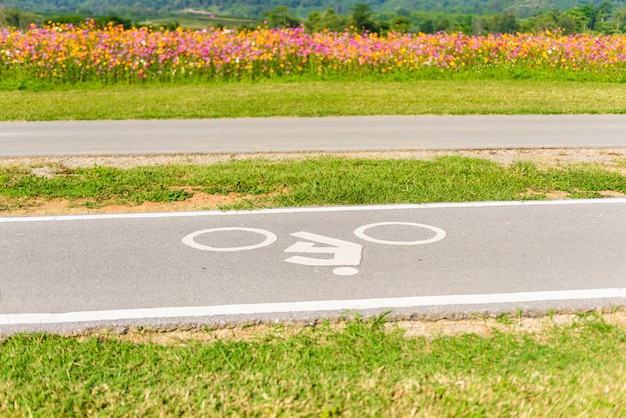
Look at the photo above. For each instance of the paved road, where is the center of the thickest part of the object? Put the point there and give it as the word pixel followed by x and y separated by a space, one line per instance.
pixel 309 134
pixel 71 272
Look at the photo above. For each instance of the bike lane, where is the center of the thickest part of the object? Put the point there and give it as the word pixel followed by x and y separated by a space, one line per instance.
pixel 72 272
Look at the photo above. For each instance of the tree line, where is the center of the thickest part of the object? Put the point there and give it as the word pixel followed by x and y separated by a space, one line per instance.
pixel 603 18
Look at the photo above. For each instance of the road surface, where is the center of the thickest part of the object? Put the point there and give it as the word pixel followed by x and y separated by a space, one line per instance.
pixel 20 139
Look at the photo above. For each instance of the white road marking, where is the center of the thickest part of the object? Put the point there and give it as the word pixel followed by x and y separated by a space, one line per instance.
pixel 309 306
pixel 270 238
pixel 344 253
pixel 604 201
pixel 345 271
pixel 439 233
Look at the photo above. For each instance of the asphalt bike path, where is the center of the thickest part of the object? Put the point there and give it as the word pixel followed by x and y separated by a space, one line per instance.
pixel 140 137
pixel 65 273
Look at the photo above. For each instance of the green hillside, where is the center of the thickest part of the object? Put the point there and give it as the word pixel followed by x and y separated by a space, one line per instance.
pixel 255 8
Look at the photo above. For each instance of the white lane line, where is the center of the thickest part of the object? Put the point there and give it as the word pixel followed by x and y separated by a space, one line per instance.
pixel 604 201
pixel 309 306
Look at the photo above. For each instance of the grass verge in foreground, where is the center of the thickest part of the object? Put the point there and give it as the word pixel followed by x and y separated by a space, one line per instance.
pixel 257 183
pixel 359 370
pixel 308 99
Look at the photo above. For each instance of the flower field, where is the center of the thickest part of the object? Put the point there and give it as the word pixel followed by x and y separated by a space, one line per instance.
pixel 74 54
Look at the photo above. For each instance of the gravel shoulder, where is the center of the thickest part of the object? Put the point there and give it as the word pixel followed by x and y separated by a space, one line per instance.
pixel 428 328
pixel 541 156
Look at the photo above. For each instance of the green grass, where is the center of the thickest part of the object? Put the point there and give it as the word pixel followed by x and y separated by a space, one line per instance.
pixel 317 181
pixel 360 370
pixel 298 98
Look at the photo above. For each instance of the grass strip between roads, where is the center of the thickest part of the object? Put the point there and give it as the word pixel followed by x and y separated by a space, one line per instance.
pixel 362 369
pixel 306 99
pixel 257 183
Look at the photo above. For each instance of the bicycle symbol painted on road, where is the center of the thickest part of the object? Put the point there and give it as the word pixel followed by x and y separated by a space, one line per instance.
pixel 345 254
